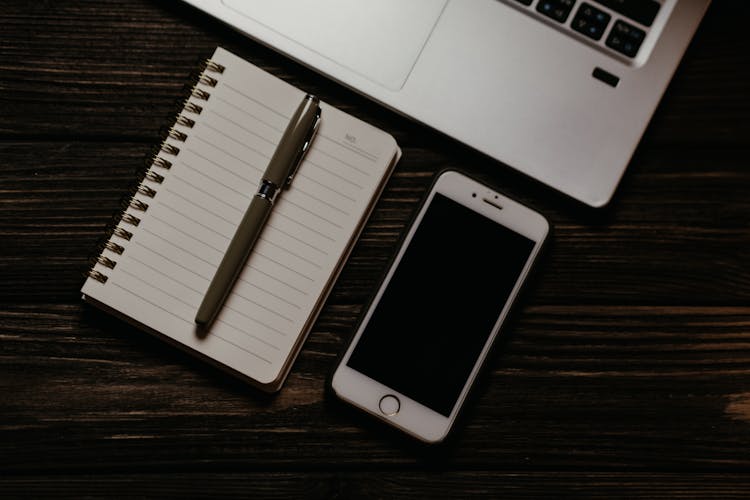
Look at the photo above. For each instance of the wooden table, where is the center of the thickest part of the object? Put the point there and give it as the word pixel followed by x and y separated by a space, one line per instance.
pixel 624 373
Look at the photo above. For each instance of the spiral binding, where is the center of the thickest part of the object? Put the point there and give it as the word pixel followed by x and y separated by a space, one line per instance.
pixel 155 160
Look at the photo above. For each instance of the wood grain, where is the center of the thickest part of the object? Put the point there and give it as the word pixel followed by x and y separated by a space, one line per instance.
pixel 391 484
pixel 623 373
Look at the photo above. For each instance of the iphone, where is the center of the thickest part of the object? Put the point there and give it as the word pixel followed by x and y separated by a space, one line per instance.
pixel 430 325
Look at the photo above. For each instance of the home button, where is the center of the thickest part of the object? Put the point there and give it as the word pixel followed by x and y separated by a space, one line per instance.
pixel 390 405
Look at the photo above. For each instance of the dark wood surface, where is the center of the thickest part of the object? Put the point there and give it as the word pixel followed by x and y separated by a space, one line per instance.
pixel 624 373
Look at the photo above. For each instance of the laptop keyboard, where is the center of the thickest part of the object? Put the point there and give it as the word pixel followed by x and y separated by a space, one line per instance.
pixel 624 22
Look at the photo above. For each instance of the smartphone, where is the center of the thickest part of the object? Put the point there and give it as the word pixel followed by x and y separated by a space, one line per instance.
pixel 425 334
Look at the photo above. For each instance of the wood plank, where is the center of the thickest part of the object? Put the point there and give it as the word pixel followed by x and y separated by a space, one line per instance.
pixel 385 484
pixel 568 386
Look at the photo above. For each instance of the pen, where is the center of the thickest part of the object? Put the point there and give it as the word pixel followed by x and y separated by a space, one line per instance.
pixel 281 168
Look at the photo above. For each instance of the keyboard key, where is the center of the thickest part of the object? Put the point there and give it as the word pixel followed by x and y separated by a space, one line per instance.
pixel 590 21
pixel 625 38
pixel 640 11
pixel 556 9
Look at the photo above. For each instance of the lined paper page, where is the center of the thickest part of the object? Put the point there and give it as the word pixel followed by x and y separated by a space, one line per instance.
pixel 160 279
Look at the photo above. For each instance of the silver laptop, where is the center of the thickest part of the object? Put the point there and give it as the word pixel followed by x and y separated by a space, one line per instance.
pixel 561 90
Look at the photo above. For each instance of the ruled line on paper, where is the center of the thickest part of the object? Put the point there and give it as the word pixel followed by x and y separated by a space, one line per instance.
pixel 234 222
pixel 266 308
pixel 146 230
pixel 235 157
pixel 301 257
pixel 221 252
pixel 261 271
pixel 254 167
pixel 212 179
pixel 239 294
pixel 311 229
pixel 268 157
pixel 366 154
pixel 286 201
pixel 334 174
pixel 201 190
pixel 194 221
pixel 171 313
pixel 246 350
pixel 249 193
pixel 272 294
pixel 323 202
pixel 314 214
pixel 158 306
pixel 255 320
pixel 239 143
pixel 242 127
pixel 207 210
pixel 297 239
pixel 228 238
pixel 213 264
pixel 301 174
pixel 159 271
pixel 279 280
pixel 209 160
pixel 338 159
pixel 354 149
pixel 272 143
pixel 281 264
pixel 256 101
pixel 280 130
pixel 178 299
pixel 194 306
pixel 201 207
pixel 248 334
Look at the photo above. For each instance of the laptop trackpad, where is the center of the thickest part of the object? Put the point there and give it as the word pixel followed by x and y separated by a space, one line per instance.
pixel 380 39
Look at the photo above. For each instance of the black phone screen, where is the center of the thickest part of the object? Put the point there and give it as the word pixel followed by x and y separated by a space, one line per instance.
pixel 441 304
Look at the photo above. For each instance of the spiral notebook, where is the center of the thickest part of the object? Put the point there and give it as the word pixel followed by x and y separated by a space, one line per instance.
pixel 155 264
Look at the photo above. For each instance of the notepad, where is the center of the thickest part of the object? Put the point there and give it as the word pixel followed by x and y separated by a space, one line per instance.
pixel 158 258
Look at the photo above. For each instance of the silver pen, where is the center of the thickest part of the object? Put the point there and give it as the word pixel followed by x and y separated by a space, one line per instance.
pixel 278 175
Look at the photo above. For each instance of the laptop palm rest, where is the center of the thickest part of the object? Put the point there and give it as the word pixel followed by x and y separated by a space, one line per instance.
pixel 381 42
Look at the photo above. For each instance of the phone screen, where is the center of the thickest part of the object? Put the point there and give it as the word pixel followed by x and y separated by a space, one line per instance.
pixel 441 304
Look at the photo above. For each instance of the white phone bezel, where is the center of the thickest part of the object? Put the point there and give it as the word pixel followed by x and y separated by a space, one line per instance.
pixel 413 417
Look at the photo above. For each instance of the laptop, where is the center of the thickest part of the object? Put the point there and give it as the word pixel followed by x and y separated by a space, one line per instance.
pixel 561 90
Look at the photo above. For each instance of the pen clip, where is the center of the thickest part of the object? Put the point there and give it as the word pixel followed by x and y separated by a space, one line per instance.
pixel 305 147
